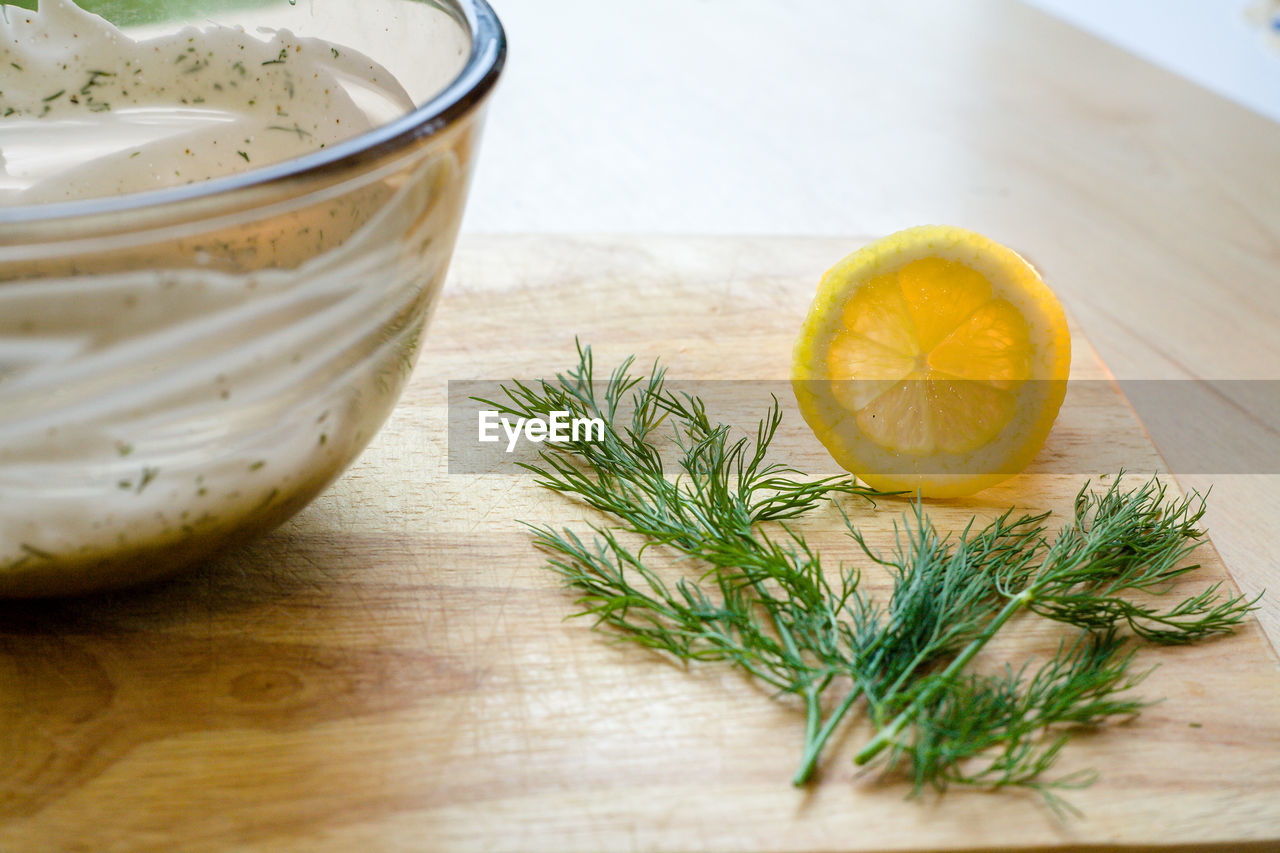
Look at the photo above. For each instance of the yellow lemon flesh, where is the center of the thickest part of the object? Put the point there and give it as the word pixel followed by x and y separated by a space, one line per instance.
pixel 934 361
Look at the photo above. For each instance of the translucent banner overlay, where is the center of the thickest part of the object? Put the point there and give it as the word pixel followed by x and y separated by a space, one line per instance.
pixel 1199 427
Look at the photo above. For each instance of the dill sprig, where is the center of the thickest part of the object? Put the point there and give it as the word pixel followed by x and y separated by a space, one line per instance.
pixel 728 485
pixel 760 599
pixel 764 604
pixel 1001 720
pixel 1118 541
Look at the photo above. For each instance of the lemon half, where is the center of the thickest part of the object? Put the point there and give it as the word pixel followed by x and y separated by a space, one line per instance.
pixel 934 360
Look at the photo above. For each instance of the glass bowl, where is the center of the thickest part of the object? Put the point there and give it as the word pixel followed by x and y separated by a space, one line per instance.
pixel 183 368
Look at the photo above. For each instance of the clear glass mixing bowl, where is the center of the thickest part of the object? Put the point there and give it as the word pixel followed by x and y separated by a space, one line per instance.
pixel 183 368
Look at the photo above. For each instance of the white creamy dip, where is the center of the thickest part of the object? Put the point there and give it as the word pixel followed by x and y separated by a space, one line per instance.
pixel 87 111
pixel 174 387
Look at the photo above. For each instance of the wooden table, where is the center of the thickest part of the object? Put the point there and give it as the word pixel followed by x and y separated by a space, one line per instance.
pixel 349 681
pixel 395 669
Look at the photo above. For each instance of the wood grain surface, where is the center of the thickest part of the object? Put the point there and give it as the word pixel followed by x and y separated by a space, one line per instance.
pixel 1152 204
pixel 394 670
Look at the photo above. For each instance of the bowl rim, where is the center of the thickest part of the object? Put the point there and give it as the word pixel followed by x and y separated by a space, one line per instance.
pixel 466 91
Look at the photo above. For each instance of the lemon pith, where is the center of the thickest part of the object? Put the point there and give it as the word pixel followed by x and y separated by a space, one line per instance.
pixel 933 360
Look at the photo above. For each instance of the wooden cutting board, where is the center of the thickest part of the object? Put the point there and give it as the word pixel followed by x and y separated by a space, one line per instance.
pixel 394 668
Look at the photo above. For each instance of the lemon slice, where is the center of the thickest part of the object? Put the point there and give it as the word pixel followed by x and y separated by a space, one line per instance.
pixel 934 361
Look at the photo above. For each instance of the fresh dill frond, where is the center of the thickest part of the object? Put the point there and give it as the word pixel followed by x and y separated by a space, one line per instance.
pixel 1127 542
pixel 989 730
pixel 727 486
pixel 1118 541
pixel 764 602
pixel 761 599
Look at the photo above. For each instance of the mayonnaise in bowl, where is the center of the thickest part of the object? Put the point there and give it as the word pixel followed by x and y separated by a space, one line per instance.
pixel 90 112
pixel 175 377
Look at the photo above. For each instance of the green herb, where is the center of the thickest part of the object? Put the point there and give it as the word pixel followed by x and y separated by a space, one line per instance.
pixel 93 80
pixel 148 474
pixel 36 552
pixel 55 95
pixel 280 58
pixel 244 155
pixel 762 601
pixel 302 134
pixel 1118 542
